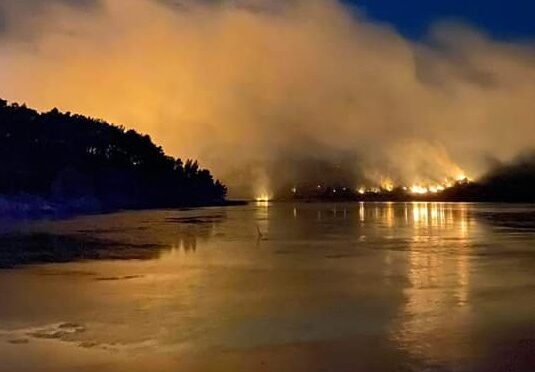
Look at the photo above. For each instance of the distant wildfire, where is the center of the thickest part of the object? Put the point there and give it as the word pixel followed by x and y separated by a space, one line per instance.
pixel 272 95
pixel 386 187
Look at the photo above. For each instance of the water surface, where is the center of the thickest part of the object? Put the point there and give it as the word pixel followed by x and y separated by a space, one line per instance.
pixel 273 287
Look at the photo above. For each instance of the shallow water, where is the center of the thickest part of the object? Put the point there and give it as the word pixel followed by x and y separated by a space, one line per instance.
pixel 273 287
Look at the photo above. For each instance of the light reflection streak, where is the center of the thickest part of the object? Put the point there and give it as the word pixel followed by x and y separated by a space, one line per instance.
pixel 389 215
pixel 415 214
pixel 262 216
pixel 438 270
pixel 438 273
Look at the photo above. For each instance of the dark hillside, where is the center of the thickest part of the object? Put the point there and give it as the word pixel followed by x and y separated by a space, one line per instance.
pixel 64 157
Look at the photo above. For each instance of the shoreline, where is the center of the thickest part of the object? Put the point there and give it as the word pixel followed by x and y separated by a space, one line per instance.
pixel 31 207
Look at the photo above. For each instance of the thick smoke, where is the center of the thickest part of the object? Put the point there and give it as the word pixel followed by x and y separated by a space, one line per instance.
pixel 270 93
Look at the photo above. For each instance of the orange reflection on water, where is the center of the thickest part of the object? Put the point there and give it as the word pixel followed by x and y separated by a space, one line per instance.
pixel 438 273
pixel 414 214
pixel 362 212
pixel 261 214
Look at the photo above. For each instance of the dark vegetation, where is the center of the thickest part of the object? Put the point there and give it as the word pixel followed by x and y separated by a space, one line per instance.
pixel 512 182
pixel 68 159
pixel 509 182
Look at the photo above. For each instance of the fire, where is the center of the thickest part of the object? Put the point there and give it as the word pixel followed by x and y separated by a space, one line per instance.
pixel 386 188
pixel 387 185
pixel 436 188
pixel 433 188
pixel 263 198
pixel 417 189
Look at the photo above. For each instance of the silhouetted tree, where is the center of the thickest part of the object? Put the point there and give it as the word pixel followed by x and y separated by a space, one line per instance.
pixel 62 155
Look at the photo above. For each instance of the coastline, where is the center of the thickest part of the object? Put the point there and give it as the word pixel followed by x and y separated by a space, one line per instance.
pixel 32 207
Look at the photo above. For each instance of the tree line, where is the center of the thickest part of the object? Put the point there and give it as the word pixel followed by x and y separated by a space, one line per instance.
pixel 64 156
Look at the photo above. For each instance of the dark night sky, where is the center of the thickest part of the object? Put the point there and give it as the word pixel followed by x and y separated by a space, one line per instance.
pixel 504 19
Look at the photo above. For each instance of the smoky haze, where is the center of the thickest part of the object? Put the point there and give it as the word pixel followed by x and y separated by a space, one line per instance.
pixel 271 93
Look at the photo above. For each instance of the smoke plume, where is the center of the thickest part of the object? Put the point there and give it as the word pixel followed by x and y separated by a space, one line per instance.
pixel 271 93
